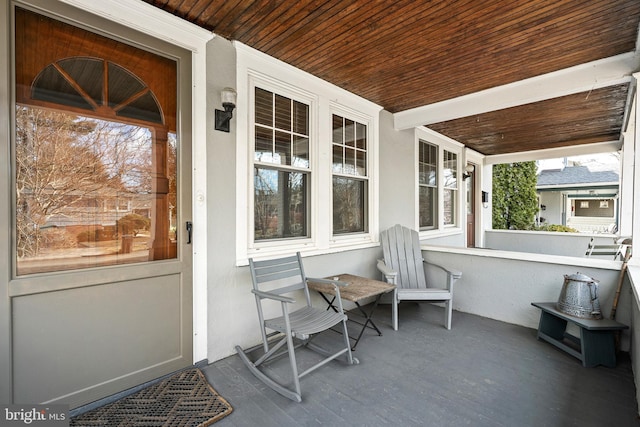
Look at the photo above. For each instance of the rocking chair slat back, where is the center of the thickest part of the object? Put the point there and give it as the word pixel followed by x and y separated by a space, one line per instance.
pixel 285 273
pixel 282 276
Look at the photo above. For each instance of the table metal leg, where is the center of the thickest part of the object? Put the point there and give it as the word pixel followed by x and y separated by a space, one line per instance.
pixel 367 321
pixel 329 303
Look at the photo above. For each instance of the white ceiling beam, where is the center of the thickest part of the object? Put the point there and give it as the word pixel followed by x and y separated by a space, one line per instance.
pixel 581 78
pixel 554 153
pixel 149 20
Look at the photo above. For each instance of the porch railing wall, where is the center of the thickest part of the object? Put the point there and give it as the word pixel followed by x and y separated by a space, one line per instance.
pixel 541 242
pixel 502 285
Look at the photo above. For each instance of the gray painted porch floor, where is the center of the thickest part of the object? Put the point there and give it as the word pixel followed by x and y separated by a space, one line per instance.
pixel 480 373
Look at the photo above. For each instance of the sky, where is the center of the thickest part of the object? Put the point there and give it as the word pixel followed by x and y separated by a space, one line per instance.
pixel 602 161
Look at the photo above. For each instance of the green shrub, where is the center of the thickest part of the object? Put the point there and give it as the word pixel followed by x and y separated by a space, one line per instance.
pixel 556 227
pixel 133 224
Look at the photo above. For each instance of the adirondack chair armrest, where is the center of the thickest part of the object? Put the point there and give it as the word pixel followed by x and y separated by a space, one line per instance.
pixel 389 274
pixel 276 297
pixel 453 274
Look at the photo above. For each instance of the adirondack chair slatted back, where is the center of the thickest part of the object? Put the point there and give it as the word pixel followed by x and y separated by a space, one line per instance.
pixel 401 250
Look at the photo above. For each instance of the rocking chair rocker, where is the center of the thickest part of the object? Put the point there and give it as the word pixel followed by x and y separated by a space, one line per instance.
pixel 271 280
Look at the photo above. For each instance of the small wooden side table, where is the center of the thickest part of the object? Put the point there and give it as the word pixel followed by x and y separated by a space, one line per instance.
pixel 357 290
pixel 596 342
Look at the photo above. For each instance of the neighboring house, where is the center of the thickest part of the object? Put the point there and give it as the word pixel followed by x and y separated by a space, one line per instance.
pixel 581 197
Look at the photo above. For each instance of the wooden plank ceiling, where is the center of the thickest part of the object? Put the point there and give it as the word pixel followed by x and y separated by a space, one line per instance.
pixel 406 53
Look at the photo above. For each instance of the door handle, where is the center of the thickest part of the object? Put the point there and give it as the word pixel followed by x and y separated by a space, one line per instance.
pixel 189 230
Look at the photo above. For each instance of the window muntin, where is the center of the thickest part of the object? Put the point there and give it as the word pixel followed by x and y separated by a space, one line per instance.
pixel 350 175
pixel 427 185
pixel 281 167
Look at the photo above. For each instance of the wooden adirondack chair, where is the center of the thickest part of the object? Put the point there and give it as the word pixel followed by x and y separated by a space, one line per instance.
pixel 404 267
pixel 271 281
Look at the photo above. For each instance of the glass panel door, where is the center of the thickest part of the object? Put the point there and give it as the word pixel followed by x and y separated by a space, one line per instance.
pixel 87 192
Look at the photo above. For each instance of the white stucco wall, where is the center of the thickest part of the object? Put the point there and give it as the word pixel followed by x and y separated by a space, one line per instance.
pixel 226 309
pixel 498 285
pixel 397 174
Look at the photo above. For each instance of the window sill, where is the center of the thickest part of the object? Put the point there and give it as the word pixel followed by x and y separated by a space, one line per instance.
pixel 305 249
pixel 445 232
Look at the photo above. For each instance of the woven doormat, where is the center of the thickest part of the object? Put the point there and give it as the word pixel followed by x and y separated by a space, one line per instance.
pixel 185 399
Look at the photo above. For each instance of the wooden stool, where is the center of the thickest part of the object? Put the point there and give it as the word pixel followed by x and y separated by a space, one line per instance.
pixel 597 336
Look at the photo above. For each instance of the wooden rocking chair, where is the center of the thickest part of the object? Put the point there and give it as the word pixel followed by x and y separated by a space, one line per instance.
pixel 272 280
pixel 404 267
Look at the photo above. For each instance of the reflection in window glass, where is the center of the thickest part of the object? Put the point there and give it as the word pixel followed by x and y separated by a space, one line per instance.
pixel 280 204
pixel 88 193
pixel 349 197
pixel 281 172
pixel 275 141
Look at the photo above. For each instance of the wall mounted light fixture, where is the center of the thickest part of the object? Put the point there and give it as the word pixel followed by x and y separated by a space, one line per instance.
pixel 223 118
pixel 468 170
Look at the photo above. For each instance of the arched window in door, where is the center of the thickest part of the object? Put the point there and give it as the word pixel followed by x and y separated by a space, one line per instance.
pixel 99 86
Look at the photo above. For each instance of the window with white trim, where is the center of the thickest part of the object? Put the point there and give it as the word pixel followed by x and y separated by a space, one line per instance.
pixel 281 168
pixel 427 185
pixel 438 166
pixel 307 163
pixel 350 176
pixel 450 188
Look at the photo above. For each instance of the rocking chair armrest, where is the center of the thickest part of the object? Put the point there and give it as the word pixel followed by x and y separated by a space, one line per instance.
pixel 455 275
pixel 337 284
pixel 389 274
pixel 270 295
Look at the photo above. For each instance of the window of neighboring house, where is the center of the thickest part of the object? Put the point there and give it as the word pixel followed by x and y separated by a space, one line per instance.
pixel 350 176
pixel 281 167
pixel 438 166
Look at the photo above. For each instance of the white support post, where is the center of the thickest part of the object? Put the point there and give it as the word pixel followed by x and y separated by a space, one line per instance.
pixel 625 195
pixel 633 133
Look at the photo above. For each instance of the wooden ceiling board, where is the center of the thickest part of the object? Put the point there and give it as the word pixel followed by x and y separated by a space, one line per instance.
pixel 405 54
pixel 588 117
